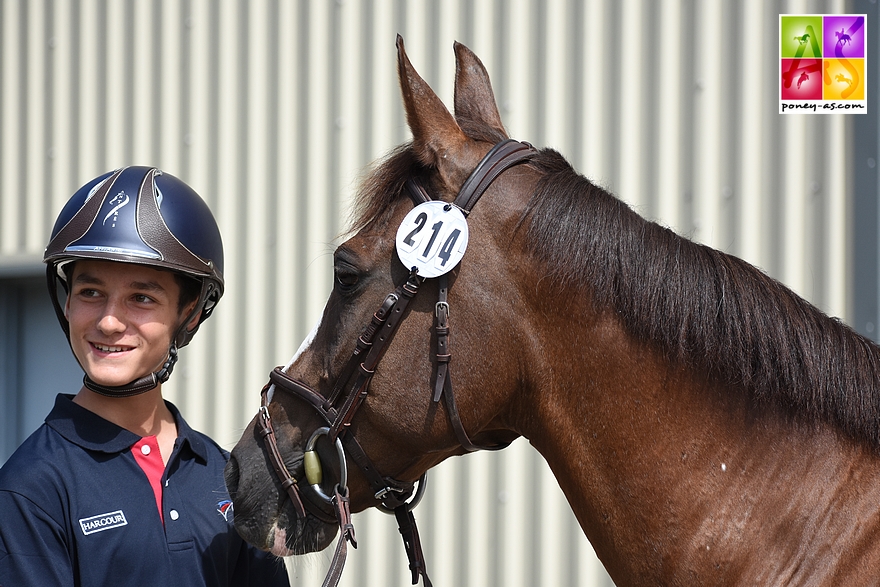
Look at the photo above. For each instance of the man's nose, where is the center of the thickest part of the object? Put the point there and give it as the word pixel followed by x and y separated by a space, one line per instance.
pixel 112 319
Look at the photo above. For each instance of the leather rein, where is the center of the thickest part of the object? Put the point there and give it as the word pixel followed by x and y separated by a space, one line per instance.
pixel 339 408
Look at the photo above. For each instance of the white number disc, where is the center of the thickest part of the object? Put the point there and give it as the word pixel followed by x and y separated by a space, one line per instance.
pixel 432 238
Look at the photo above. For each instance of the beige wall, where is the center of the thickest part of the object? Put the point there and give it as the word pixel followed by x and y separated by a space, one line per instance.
pixel 271 110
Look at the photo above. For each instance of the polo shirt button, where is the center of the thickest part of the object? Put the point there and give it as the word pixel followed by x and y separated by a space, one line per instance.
pixel 174 514
pixel 145 449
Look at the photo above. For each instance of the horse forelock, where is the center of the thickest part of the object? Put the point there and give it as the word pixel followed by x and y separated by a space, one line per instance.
pixel 702 308
pixel 383 185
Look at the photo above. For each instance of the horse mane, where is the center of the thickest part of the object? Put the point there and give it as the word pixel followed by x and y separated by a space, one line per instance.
pixel 704 309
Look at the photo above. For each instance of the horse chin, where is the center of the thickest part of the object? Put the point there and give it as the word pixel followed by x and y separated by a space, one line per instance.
pixel 309 535
pixel 278 542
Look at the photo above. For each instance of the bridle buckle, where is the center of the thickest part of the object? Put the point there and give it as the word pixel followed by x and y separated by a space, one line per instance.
pixel 441 306
pixel 382 493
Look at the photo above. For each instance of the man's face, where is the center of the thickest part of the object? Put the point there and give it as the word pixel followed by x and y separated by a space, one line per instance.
pixel 122 317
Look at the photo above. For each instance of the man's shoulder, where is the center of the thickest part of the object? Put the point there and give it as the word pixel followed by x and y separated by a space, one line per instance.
pixel 36 463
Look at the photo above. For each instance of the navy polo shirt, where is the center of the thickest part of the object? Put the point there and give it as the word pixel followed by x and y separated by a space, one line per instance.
pixel 77 510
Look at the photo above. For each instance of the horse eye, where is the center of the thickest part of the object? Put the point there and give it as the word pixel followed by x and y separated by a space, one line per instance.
pixel 346 279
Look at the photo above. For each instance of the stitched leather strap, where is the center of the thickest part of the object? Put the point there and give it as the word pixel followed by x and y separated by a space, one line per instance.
pixel 303 392
pixel 346 535
pixel 288 481
pixel 381 338
pixel 501 157
pixel 441 313
pixel 363 345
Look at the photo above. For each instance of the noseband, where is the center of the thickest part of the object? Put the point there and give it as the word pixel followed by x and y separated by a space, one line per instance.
pixel 339 408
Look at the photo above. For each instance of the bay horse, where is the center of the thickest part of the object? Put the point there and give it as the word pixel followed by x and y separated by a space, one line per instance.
pixel 706 424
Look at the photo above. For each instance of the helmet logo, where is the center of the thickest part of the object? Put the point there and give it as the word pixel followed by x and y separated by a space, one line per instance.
pixel 119 201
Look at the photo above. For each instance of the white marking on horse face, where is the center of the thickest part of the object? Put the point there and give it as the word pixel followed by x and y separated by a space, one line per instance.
pixel 279 542
pixel 302 348
pixel 305 343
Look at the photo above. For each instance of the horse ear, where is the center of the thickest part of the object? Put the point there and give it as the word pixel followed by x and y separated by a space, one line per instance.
pixel 437 138
pixel 474 99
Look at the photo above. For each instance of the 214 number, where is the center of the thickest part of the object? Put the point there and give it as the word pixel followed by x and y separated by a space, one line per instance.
pixel 448 246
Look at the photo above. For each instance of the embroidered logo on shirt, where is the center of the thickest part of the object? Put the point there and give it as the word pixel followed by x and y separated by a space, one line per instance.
pixel 103 522
pixel 225 508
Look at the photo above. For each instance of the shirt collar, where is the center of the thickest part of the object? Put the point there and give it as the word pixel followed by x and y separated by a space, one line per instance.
pixel 92 432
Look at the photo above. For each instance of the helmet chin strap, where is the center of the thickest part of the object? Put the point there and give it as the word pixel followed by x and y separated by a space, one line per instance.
pixel 138 386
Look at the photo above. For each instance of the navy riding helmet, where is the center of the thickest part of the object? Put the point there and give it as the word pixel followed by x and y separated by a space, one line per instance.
pixel 144 216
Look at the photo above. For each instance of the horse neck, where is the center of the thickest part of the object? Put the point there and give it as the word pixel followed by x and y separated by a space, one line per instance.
pixel 669 473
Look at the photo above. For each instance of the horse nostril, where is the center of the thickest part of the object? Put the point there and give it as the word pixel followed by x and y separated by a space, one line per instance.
pixel 231 473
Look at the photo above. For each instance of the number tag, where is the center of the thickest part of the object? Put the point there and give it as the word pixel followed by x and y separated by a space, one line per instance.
pixel 432 238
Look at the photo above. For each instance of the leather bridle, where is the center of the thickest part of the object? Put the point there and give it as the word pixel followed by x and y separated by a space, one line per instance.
pixel 339 408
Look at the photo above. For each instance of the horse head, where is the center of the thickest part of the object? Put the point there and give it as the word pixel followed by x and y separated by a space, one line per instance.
pixel 404 421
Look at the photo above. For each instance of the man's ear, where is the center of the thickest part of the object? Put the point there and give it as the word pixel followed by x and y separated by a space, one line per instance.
pixel 194 322
pixel 195 319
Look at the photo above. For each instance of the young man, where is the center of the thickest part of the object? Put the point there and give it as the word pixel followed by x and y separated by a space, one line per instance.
pixel 115 488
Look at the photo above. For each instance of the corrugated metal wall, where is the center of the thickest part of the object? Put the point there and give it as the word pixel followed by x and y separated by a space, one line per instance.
pixel 271 110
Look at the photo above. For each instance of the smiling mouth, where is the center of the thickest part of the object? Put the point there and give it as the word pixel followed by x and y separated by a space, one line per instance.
pixel 109 348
